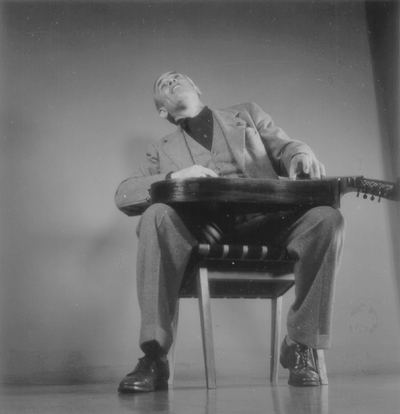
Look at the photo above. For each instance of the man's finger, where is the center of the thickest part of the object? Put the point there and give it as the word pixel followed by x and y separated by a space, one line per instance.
pixel 315 171
pixel 322 168
pixel 305 165
pixel 292 171
pixel 210 173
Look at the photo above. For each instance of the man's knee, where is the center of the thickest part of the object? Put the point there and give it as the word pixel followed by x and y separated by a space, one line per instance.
pixel 156 212
pixel 155 216
pixel 329 218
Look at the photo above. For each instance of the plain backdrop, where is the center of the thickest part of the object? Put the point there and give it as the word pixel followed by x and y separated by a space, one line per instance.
pixel 77 113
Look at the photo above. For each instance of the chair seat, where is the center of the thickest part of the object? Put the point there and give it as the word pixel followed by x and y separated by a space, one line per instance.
pixel 240 271
pixel 247 253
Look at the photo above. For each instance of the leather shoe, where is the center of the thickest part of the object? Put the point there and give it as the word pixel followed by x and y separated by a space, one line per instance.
pixel 150 374
pixel 297 358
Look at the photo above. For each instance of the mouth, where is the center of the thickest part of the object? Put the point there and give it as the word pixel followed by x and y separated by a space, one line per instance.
pixel 175 87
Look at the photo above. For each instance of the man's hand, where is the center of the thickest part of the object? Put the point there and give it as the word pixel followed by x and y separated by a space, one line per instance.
pixel 306 164
pixel 195 171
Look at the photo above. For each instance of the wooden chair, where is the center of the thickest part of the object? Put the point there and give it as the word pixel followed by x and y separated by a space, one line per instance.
pixel 227 271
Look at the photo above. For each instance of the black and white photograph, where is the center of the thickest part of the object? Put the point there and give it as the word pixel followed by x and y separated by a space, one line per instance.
pixel 199 206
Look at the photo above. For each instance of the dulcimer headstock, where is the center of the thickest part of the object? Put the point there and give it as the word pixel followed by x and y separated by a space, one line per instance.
pixel 373 188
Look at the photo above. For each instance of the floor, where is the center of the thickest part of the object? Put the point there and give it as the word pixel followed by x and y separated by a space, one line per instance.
pixel 375 394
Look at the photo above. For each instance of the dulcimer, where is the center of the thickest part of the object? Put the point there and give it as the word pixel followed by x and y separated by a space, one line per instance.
pixel 274 193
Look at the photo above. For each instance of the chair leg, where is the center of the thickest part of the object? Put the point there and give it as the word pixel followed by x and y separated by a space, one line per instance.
pixel 276 316
pixel 206 327
pixel 319 358
pixel 172 351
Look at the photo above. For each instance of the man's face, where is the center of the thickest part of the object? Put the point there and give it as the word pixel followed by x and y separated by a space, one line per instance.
pixel 175 92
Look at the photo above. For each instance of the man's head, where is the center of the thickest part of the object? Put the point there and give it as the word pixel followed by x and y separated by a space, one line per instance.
pixel 175 94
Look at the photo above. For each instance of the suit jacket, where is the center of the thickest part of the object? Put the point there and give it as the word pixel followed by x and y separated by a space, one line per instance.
pixel 261 149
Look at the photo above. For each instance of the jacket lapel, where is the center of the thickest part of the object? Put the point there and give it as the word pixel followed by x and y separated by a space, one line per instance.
pixel 176 149
pixel 233 128
pixel 253 164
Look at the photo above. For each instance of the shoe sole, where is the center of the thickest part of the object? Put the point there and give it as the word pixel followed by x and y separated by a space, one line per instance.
pixel 306 384
pixel 136 390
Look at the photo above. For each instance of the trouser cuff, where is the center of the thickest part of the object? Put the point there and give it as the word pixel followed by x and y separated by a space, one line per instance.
pixel 155 340
pixel 309 339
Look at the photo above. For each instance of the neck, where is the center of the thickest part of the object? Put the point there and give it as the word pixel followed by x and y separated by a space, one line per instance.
pixel 189 111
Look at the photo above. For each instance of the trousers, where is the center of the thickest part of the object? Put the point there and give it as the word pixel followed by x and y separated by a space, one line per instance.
pixel 313 237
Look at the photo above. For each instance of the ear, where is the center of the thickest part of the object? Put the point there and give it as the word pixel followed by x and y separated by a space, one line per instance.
pixel 163 113
pixel 197 89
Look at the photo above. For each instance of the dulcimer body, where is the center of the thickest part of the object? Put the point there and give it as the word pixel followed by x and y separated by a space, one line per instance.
pixel 276 193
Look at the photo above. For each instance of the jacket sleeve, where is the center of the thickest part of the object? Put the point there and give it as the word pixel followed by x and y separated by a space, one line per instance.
pixel 280 148
pixel 133 194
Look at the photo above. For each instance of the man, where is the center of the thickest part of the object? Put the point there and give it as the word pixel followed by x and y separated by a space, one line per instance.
pixel 241 141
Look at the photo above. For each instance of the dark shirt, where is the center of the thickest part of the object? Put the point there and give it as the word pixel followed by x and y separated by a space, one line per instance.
pixel 200 128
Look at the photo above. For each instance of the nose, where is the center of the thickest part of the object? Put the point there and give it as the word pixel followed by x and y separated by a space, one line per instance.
pixel 171 81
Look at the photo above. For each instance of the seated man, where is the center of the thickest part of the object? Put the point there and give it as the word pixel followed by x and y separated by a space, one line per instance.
pixel 240 141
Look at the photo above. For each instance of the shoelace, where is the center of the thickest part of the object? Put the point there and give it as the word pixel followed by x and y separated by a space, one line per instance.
pixel 305 358
pixel 142 366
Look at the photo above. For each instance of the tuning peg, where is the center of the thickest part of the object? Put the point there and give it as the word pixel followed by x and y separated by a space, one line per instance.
pixel 372 198
pixel 365 196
